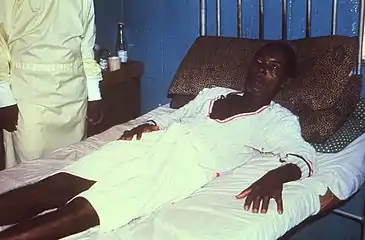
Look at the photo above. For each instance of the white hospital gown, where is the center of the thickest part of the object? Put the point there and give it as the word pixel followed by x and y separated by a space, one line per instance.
pixel 135 178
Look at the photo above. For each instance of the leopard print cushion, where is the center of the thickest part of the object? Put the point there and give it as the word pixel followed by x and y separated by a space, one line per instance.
pixel 318 125
pixel 214 61
pixel 353 128
pixel 323 75
pixel 324 63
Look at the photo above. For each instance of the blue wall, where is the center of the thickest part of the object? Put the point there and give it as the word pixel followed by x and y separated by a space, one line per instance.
pixel 161 31
pixel 108 14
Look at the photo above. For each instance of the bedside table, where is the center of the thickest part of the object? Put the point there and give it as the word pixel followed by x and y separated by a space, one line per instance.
pixel 121 96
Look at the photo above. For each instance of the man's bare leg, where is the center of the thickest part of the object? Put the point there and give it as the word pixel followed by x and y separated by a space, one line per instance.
pixel 53 192
pixel 75 217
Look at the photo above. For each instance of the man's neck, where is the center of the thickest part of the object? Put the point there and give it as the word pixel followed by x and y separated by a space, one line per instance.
pixel 246 104
pixel 256 102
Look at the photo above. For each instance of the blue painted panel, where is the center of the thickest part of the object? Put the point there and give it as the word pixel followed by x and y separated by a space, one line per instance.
pixel 321 18
pixel 273 19
pixel 250 18
pixel 296 19
pixel 107 15
pixel 144 37
pixel 211 17
pixel 177 38
pixel 347 17
pixel 229 17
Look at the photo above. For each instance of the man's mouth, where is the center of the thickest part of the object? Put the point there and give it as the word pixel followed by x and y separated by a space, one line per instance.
pixel 253 89
pixel 256 86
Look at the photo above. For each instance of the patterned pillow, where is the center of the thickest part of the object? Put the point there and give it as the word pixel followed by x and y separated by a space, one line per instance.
pixel 353 128
pixel 359 112
pixel 319 125
pixel 214 61
pixel 324 64
pixel 325 74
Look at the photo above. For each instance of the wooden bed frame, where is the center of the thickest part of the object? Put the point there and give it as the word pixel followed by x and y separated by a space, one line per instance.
pixel 329 202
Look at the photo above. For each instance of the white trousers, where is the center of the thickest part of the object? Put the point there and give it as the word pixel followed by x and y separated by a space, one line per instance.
pixel 43 129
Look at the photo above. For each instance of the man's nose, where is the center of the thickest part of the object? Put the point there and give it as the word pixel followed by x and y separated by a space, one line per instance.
pixel 262 69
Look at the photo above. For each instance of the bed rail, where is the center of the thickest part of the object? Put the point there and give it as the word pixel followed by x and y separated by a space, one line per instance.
pixel 284 27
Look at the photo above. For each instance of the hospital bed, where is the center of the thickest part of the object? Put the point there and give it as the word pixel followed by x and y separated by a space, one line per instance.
pixel 212 212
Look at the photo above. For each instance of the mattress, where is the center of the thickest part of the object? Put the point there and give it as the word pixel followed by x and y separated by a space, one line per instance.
pixel 212 212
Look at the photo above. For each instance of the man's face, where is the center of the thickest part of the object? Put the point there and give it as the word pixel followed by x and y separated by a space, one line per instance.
pixel 267 72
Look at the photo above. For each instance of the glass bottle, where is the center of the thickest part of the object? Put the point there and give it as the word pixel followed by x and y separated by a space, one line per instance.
pixel 122 51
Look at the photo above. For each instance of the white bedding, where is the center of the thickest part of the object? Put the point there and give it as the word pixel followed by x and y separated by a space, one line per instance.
pixel 212 212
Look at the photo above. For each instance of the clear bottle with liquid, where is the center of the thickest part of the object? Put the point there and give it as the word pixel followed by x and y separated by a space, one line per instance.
pixel 121 48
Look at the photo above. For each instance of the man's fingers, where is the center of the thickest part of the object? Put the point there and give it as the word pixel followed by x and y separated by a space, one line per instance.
pixel 265 204
pixel 152 129
pixel 248 202
pixel 155 128
pixel 125 135
pixel 125 138
pixel 139 136
pixel 279 203
pixel 256 204
pixel 244 193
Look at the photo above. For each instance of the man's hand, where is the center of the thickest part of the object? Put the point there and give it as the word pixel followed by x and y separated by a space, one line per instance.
pixel 260 193
pixel 139 130
pixel 95 112
pixel 9 118
pixel 269 186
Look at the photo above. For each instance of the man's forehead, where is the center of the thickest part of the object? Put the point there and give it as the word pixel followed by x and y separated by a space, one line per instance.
pixel 272 53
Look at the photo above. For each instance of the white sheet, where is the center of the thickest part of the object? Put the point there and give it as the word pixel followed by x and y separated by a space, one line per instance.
pixel 212 212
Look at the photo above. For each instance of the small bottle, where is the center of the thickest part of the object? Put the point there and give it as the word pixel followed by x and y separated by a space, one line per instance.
pixel 122 51
pixel 101 56
pixel 104 65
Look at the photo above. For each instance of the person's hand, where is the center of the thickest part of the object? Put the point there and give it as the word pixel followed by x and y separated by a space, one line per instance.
pixel 139 130
pixel 95 112
pixel 9 118
pixel 260 193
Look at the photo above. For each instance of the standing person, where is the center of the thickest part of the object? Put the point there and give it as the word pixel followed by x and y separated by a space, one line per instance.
pixel 47 75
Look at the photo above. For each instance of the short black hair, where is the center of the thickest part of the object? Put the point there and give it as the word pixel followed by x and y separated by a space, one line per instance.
pixel 289 53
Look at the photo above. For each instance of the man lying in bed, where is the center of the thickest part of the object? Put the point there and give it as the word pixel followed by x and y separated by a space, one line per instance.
pixel 219 130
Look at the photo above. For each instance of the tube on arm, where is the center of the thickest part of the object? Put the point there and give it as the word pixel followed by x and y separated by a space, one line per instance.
pixel 291 146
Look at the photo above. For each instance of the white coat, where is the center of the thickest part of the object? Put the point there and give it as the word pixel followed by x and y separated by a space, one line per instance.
pixel 47 69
